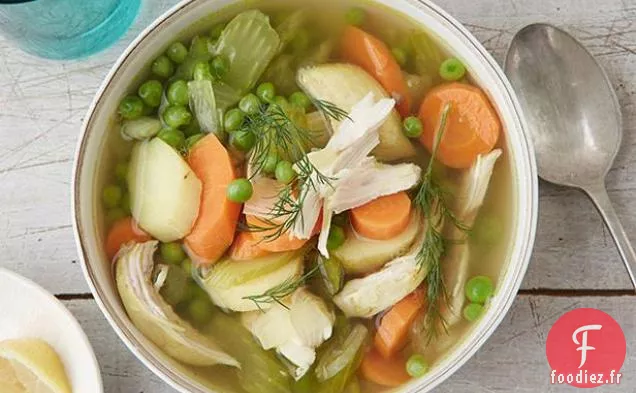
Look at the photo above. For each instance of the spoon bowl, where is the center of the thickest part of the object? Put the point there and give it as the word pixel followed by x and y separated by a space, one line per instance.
pixel 573 115
pixel 570 105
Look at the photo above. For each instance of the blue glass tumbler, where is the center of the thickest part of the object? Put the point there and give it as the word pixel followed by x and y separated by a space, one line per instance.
pixel 66 29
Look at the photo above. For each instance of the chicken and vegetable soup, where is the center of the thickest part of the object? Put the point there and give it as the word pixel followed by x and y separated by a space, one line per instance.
pixel 312 201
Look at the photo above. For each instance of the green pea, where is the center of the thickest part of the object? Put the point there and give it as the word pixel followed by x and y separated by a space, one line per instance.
pixel 174 138
pixel 269 166
pixel 285 172
pixel 217 30
pixel 266 91
pixel 172 253
pixel 400 56
pixel 412 127
pixel 177 93
pixel 151 92
pixel 240 191
pixel 281 102
pixel 300 99
pixel 336 238
pixel 250 104
pixel 121 172
pixel 191 141
pixel 417 366
pixel 356 16
pixel 233 120
pixel 111 196
pixel 301 41
pixel 200 311
pixel 114 215
pixel 177 116
pixel 243 140
pixel 131 107
pixel 175 288
pixel 187 266
pixel 220 66
pixel 196 292
pixel 163 67
pixel 479 289
pixel 202 71
pixel 452 70
pixel 125 203
pixel 177 52
pixel 472 312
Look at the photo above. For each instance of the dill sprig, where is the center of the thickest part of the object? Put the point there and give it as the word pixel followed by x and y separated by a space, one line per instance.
pixel 277 132
pixel 278 293
pixel 431 199
pixel 330 110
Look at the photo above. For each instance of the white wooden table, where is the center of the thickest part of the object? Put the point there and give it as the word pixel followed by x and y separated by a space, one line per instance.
pixel 575 264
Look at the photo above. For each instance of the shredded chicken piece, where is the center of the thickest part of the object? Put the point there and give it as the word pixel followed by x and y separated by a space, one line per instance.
pixel 356 177
pixel 265 195
pixel 295 330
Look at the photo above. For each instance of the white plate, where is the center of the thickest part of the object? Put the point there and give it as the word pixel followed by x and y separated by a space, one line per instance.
pixel 27 310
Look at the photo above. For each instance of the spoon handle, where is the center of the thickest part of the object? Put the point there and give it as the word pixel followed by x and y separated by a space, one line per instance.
pixel 600 198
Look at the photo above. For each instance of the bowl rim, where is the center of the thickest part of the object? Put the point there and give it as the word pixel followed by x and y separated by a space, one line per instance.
pixel 513 280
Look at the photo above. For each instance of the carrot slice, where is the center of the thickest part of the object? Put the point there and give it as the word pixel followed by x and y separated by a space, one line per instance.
pixel 214 229
pixel 282 243
pixel 364 50
pixel 383 371
pixel 246 247
pixel 472 128
pixel 383 218
pixel 124 231
pixel 392 334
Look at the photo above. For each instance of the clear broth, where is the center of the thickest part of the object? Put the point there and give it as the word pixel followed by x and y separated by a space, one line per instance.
pixel 488 250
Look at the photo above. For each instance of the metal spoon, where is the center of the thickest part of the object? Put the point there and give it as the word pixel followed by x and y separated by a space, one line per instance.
pixel 574 117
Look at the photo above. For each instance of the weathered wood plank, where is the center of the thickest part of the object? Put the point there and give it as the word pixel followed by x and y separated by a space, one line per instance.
pixel 513 360
pixel 42 104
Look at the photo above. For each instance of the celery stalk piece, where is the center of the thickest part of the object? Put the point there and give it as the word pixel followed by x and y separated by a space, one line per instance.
pixel 249 43
pixel 281 72
pixel 428 57
pixel 343 333
pixel 226 96
pixel 340 354
pixel 203 105
pixel 290 27
pixel 261 371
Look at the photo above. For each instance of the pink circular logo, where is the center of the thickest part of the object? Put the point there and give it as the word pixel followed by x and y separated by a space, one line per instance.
pixel 586 348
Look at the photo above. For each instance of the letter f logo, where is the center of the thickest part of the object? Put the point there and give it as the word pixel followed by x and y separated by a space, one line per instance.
pixel 583 344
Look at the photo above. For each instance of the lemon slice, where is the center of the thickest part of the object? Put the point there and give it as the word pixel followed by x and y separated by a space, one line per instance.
pixel 31 366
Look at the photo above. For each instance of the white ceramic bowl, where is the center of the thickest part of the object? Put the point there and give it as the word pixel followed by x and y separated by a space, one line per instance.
pixel 92 162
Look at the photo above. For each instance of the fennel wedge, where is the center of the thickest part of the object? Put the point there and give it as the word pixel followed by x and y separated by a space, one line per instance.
pixel 370 295
pixel 360 255
pixel 154 317
pixel 346 85
pixel 231 283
